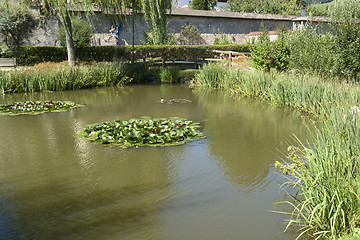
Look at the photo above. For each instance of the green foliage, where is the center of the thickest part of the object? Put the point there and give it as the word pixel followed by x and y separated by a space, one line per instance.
pixel 145 131
pixel 155 14
pixel 335 53
pixel 223 41
pixel 189 35
pixel 203 4
pixel 31 55
pixel 290 7
pixel 312 51
pixel 320 9
pixel 82 33
pixel 36 107
pixel 346 31
pixel 16 23
pixel 267 55
pixel 326 173
pixel 212 76
pixel 169 75
pixel 61 78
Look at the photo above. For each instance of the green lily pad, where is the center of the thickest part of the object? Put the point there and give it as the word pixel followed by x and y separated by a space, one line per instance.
pixel 36 107
pixel 145 131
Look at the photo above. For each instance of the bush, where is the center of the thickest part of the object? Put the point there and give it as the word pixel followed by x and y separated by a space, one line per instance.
pixel 311 50
pixel 16 23
pixel 268 55
pixel 190 35
pixel 169 75
pixel 82 33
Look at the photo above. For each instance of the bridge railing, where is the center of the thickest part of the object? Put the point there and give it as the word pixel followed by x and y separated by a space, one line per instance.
pixel 192 57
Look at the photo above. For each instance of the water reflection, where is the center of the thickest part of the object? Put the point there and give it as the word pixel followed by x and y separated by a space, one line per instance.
pixel 246 135
pixel 54 185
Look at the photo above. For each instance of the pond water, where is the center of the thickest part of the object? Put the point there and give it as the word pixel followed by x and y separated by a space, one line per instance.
pixel 54 185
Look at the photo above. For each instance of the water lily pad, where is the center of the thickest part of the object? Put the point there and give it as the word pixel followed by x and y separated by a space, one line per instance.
pixel 145 131
pixel 36 107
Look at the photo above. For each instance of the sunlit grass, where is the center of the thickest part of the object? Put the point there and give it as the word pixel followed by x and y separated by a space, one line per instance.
pixel 326 172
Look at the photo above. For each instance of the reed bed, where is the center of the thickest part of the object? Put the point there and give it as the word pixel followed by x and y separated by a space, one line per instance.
pixel 63 78
pixel 326 172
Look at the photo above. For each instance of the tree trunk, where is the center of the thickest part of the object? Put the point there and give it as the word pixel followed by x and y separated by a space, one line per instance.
pixel 69 41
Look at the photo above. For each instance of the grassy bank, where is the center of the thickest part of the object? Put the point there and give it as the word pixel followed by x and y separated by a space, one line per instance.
pixel 327 172
pixel 57 77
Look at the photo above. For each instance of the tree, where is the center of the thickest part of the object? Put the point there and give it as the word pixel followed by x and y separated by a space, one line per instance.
pixel 16 23
pixel 64 10
pixel 190 35
pixel 82 33
pixel 290 7
pixel 155 12
pixel 203 4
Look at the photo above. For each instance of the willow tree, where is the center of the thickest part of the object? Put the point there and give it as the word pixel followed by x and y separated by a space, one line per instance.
pixel 65 9
pixel 155 13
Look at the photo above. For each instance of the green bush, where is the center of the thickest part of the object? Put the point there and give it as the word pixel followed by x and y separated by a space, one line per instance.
pixel 311 50
pixel 82 33
pixel 268 55
pixel 169 75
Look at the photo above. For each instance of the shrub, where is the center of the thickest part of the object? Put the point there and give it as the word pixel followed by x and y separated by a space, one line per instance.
pixel 268 55
pixel 82 33
pixel 16 23
pixel 190 35
pixel 169 75
pixel 312 50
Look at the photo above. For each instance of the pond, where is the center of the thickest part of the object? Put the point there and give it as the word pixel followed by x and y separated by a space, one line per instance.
pixel 54 185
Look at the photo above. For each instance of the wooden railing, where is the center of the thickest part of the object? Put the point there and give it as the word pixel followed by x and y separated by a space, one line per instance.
pixel 193 57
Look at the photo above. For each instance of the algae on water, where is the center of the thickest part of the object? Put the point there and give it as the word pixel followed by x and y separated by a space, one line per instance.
pixel 145 131
pixel 36 107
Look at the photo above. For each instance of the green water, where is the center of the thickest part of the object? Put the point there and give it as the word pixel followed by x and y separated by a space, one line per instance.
pixel 54 185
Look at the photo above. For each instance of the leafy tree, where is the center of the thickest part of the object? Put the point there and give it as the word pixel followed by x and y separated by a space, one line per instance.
pixel 290 7
pixel 154 10
pixel 190 35
pixel 155 13
pixel 82 33
pixel 203 4
pixel 345 29
pixel 16 23
pixel 267 54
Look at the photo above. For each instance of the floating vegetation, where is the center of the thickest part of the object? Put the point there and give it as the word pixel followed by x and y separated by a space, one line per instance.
pixel 145 131
pixel 36 107
pixel 172 101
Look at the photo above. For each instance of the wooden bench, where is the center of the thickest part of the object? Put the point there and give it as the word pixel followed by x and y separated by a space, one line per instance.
pixel 7 62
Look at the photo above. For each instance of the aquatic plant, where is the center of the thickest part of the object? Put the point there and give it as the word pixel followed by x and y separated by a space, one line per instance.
pixel 36 107
pixel 64 78
pixel 325 173
pixel 145 131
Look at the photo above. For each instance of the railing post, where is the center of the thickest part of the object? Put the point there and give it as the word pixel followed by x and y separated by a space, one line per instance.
pixel 244 59
pixel 230 59
pixel 195 59
pixel 163 57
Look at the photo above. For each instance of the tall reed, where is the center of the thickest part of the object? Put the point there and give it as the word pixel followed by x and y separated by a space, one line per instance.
pixel 63 78
pixel 325 172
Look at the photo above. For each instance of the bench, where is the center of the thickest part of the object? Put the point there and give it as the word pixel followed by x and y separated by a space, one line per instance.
pixel 7 62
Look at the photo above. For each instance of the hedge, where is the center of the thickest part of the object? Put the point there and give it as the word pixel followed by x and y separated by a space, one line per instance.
pixel 31 55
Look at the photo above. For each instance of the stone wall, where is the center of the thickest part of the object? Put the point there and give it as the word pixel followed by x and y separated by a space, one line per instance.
pixel 211 24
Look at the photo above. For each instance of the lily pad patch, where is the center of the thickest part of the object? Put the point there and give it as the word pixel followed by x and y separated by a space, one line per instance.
pixel 36 107
pixel 145 131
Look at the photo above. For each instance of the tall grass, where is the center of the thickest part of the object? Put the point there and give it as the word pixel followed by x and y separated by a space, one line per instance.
pixel 63 78
pixel 327 172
